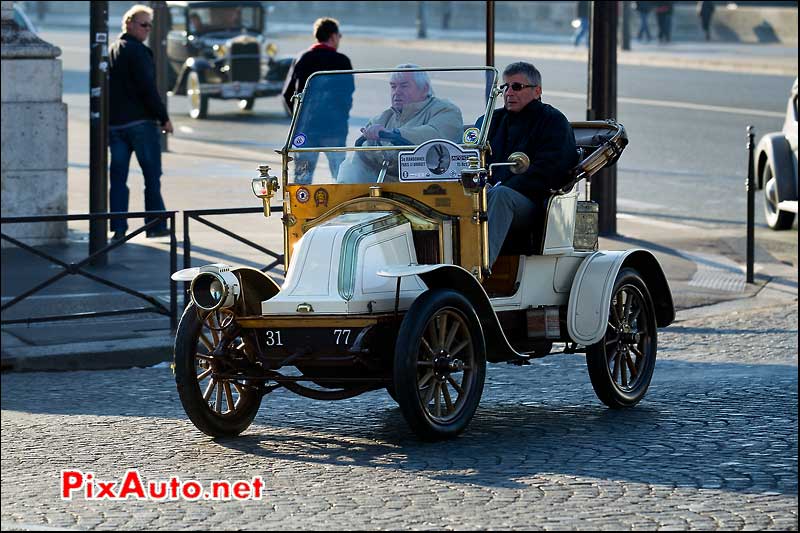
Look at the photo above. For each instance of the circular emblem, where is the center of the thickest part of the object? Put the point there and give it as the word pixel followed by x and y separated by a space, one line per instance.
pixel 299 139
pixel 438 159
pixel 302 195
pixel 471 135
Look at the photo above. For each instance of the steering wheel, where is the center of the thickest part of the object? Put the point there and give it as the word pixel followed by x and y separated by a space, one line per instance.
pixel 394 138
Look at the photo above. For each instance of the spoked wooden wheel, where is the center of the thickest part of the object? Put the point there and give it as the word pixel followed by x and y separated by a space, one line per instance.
pixel 198 102
pixel 622 363
pixel 218 406
pixel 440 364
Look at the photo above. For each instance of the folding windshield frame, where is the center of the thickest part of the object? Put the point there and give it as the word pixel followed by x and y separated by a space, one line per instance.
pixel 298 98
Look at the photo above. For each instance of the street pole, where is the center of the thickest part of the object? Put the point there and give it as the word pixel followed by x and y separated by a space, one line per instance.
pixel 489 44
pixel 626 25
pixel 422 28
pixel 158 44
pixel 602 103
pixel 750 186
pixel 98 128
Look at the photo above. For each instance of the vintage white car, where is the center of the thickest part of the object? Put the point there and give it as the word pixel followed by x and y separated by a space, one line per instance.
pixel 387 283
pixel 776 169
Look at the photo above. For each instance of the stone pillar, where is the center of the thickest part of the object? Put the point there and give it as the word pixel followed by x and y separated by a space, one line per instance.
pixel 34 133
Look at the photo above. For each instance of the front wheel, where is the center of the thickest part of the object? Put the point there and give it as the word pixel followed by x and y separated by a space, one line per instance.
pixel 776 219
pixel 220 407
pixel 622 363
pixel 439 364
pixel 198 102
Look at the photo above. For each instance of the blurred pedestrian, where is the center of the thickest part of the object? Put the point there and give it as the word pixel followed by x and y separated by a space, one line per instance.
pixel 705 10
pixel 664 20
pixel 41 11
pixel 581 23
pixel 136 110
pixel 333 119
pixel 643 8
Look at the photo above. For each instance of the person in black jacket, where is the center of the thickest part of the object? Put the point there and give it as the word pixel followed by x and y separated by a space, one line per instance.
pixel 136 110
pixel 324 119
pixel 525 124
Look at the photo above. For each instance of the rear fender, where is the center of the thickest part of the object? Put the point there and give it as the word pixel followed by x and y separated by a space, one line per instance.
pixel 460 280
pixel 773 149
pixel 590 296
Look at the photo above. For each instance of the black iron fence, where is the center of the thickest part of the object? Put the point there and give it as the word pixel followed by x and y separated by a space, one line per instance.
pixel 77 268
pixel 154 217
pixel 198 214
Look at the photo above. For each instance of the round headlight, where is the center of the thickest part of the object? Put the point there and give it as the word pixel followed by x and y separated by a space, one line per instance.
pixel 214 290
pixel 219 50
pixel 271 49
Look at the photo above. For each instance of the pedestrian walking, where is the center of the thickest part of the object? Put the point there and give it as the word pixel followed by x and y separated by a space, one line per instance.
pixel 664 20
pixel 328 126
pixel 705 10
pixel 136 111
pixel 643 9
pixel 581 23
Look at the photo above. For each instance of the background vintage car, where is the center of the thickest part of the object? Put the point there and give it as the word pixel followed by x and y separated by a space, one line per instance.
pixel 218 50
pixel 776 169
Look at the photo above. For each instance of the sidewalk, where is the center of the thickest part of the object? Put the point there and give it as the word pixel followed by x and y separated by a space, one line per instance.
pixel 704 266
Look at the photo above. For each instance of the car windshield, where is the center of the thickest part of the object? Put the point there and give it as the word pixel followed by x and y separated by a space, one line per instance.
pixel 234 18
pixel 361 122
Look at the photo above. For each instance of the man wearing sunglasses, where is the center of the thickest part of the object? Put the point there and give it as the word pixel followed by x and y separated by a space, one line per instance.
pixel 525 124
pixel 137 115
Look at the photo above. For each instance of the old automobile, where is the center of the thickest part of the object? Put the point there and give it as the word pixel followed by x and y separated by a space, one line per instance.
pixel 218 50
pixel 387 278
pixel 776 169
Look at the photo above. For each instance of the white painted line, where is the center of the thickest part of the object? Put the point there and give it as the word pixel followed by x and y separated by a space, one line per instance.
pixel 642 101
pixel 655 222
pixel 636 204
pixel 156 294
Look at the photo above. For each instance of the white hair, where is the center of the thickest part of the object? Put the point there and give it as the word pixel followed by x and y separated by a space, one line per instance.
pixel 421 78
pixel 132 12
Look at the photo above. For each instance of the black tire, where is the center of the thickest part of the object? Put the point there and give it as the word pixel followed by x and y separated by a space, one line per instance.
pixel 391 391
pixel 198 102
pixel 196 382
pixel 440 340
pixel 776 219
pixel 247 104
pixel 629 344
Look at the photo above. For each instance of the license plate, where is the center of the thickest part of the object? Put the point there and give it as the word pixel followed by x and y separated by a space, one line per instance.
pixel 310 340
pixel 238 90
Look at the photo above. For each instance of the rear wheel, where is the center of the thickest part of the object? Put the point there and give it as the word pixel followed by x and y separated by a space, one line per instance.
pixel 622 363
pixel 776 219
pixel 439 364
pixel 198 103
pixel 217 406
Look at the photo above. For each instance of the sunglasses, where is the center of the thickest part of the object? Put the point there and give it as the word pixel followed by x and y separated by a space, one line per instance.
pixel 516 86
pixel 145 24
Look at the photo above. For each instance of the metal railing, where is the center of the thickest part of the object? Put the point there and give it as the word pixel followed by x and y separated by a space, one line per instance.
pixel 77 268
pixel 198 214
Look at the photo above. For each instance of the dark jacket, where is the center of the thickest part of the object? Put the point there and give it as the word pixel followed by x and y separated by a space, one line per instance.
pixel 328 114
pixel 545 135
pixel 132 84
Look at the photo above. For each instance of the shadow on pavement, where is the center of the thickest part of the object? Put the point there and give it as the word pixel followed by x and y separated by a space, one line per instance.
pixel 701 425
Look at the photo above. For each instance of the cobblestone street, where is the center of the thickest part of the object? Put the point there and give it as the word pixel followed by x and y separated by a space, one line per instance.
pixel 712 446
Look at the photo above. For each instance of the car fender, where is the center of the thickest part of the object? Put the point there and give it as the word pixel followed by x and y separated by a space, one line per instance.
pixel 278 68
pixel 255 287
pixel 590 295
pixel 773 149
pixel 461 280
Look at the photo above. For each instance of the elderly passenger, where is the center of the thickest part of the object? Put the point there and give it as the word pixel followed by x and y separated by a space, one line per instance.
pixel 415 116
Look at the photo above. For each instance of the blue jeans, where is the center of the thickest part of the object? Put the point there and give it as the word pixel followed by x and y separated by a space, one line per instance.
pixel 305 163
pixel 145 140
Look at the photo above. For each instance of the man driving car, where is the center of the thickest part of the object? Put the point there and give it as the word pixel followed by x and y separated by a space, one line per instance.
pixel 414 117
pixel 525 124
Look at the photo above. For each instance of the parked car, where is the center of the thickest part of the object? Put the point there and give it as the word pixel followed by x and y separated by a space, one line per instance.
pixel 387 283
pixel 218 50
pixel 776 169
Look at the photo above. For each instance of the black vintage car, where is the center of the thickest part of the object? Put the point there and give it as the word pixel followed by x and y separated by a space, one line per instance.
pixel 218 50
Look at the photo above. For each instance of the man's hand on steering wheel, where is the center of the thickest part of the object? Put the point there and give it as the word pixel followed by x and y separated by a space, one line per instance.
pixel 373 132
pixel 392 136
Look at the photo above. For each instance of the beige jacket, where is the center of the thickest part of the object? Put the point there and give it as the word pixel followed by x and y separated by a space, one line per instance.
pixel 432 118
